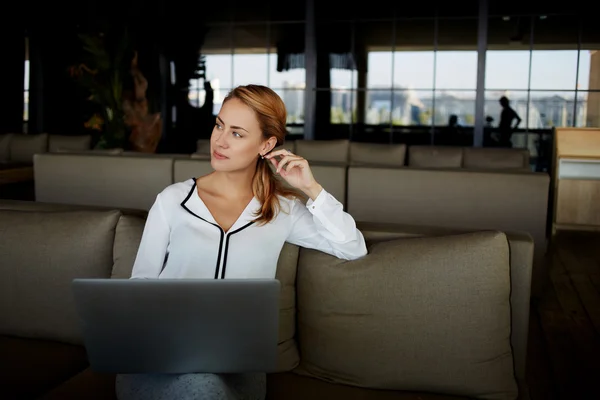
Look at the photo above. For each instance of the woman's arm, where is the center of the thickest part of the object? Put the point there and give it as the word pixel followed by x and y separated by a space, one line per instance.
pixel 153 246
pixel 323 225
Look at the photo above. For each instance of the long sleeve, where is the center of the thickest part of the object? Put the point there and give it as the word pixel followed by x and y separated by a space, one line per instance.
pixel 323 225
pixel 153 245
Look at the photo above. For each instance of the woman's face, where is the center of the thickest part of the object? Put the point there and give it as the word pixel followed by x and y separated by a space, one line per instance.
pixel 237 140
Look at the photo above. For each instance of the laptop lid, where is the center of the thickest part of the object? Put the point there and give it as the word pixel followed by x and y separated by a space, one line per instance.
pixel 179 325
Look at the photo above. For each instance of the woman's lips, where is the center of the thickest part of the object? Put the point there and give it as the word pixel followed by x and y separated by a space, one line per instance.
pixel 219 156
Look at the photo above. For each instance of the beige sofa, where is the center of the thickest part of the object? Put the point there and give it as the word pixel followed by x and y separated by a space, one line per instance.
pixel 18 148
pixel 399 155
pixel 427 314
pixel 453 198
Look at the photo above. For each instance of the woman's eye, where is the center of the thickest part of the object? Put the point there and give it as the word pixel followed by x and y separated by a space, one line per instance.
pixel 236 134
pixel 218 126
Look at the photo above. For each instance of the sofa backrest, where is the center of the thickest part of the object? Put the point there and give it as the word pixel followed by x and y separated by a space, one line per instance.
pixel 324 150
pixel 19 148
pixel 481 199
pixel 115 181
pixel 468 157
pixel 435 156
pixel 495 158
pixel 505 201
pixel 420 156
pixel 392 155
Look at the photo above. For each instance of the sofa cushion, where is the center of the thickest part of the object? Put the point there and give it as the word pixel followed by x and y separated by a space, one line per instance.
pixel 41 253
pixel 392 155
pixel 203 146
pixel 23 147
pixel 287 348
pixel 69 142
pixel 495 158
pixel 421 314
pixel 30 367
pixel 435 156
pixel 128 235
pixel 324 150
pixel 5 139
pixel 127 239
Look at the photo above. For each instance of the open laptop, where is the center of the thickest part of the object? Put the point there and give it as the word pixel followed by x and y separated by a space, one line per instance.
pixel 179 325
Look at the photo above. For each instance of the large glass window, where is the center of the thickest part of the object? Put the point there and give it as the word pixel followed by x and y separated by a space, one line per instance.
pixel 26 93
pixel 388 71
pixel 241 54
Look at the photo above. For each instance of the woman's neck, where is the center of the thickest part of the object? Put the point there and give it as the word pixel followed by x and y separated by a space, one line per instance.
pixel 233 184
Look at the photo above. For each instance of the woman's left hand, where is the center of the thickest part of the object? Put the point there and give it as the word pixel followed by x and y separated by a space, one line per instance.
pixel 296 172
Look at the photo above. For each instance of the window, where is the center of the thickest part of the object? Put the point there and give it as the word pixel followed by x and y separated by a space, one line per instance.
pixel 26 93
pixel 241 54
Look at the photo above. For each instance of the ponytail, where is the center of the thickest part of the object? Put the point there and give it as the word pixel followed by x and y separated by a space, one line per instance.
pixel 267 189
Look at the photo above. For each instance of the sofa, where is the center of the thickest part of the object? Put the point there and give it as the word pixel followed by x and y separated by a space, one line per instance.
pixel 507 200
pixel 400 155
pixel 18 148
pixel 429 313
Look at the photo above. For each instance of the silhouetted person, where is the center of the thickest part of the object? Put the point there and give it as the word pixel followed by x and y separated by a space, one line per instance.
pixel 506 120
pixel 451 134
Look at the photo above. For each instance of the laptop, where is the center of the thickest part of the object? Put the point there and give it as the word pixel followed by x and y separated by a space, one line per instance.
pixel 179 325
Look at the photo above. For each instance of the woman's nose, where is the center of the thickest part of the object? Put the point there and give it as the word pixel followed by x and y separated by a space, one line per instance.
pixel 220 139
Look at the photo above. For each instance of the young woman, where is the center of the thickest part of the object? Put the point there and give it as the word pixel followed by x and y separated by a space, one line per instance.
pixel 233 223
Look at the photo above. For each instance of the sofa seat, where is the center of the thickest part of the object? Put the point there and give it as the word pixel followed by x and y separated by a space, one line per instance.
pixel 30 367
pixel 288 386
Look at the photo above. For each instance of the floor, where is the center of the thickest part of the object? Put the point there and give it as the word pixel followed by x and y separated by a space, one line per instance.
pixel 564 338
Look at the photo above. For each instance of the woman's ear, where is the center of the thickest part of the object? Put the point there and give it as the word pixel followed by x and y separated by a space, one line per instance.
pixel 269 145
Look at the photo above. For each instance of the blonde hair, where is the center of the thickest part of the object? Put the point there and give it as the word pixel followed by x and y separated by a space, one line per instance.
pixel 272 115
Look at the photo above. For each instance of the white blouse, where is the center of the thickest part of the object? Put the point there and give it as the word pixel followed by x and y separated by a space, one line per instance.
pixel 181 239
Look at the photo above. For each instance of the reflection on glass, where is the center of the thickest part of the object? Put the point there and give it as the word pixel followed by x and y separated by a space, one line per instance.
pixel 379 69
pixel 294 78
pixel 553 69
pixel 412 107
pixel 294 104
pixel 507 69
pixel 218 70
pixel 413 69
pixel 456 70
pixel 589 71
pixel 250 69
pixel 343 79
pixel 449 103
pixel 548 109
pixel 378 107
pixel 26 93
pixel 197 98
pixel 343 106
